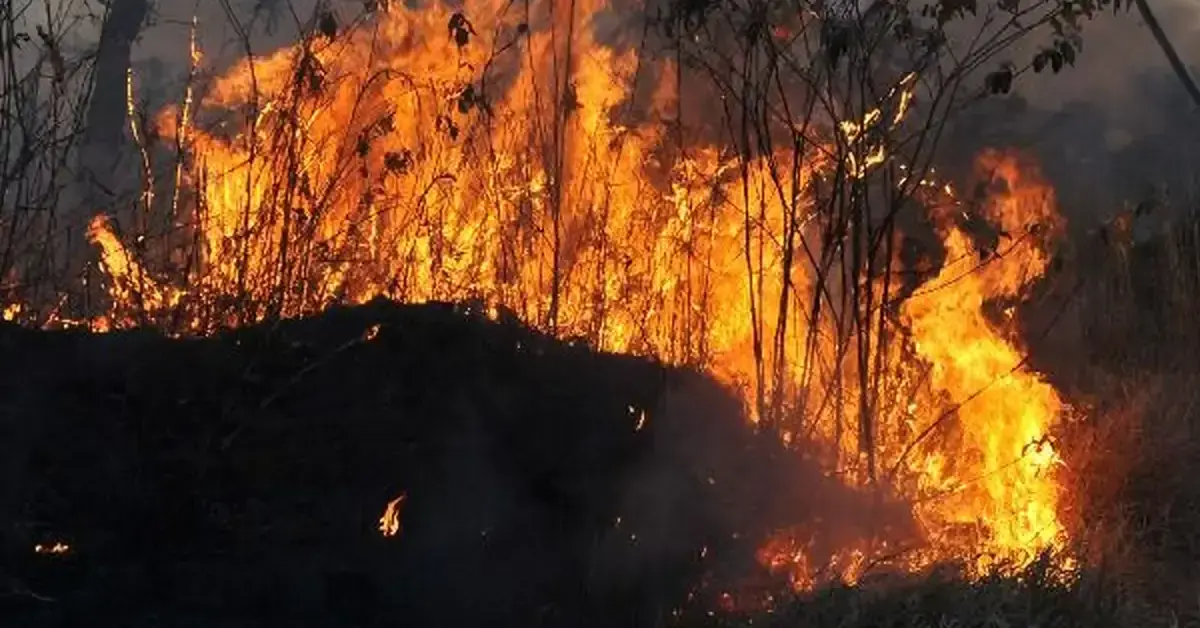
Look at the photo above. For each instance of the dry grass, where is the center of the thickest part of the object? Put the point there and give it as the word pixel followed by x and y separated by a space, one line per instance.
pixel 1134 452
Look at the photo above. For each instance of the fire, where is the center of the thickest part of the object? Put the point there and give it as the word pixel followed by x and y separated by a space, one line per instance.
pixel 389 522
pixel 56 548
pixel 481 155
pixel 998 477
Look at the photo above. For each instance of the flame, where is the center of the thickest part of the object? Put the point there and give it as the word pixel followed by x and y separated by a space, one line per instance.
pixel 389 523
pixel 56 548
pixel 427 155
pixel 10 312
pixel 1000 478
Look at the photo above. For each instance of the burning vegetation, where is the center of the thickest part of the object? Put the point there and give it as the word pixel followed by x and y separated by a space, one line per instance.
pixel 427 155
pixel 740 190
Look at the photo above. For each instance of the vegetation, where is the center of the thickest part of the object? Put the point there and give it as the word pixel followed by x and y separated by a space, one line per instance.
pixel 747 188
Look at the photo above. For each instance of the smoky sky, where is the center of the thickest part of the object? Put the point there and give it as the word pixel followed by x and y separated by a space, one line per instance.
pixel 1118 49
pixel 1118 117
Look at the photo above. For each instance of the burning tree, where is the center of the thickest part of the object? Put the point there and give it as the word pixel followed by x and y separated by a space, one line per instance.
pixel 745 186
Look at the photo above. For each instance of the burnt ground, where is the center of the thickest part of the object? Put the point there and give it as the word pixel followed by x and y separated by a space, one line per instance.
pixel 239 480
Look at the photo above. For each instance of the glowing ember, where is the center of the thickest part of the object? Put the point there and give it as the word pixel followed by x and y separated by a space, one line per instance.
pixel 389 523
pixel 53 548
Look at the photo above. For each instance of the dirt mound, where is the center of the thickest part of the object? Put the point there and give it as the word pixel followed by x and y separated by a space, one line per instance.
pixel 240 480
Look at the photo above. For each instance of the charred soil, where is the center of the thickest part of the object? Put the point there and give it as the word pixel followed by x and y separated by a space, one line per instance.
pixel 241 479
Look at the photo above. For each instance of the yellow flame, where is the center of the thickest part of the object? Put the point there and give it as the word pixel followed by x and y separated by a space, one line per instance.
pixel 1001 477
pixel 389 523
pixel 55 548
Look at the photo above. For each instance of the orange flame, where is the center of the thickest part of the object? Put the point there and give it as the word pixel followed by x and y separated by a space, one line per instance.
pixel 389 522
pixel 56 548
pixel 998 477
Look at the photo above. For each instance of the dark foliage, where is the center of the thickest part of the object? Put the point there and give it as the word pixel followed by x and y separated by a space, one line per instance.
pixel 239 480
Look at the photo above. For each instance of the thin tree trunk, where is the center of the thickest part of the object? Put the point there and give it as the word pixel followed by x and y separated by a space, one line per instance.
pixel 1177 65
pixel 106 109
pixel 104 138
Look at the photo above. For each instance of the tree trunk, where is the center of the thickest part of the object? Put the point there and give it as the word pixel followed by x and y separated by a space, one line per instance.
pixel 1172 56
pixel 100 182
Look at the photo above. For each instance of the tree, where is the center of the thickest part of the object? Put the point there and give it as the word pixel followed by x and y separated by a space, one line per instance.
pixel 1164 42
pixel 101 183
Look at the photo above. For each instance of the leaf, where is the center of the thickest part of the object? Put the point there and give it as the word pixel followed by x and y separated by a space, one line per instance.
pixel 1039 62
pixel 387 123
pixel 836 40
pixel 448 124
pixel 1000 81
pixel 1057 26
pixel 328 25
pixel 460 29
pixel 1056 60
pixel 398 162
pixel 466 100
pixel 571 99
pixel 1068 52
pixel 950 9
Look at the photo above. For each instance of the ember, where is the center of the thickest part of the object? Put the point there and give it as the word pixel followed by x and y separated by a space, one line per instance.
pixel 52 548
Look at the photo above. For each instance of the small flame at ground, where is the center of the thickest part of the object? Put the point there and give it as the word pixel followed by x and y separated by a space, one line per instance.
pixel 389 523
pixel 51 548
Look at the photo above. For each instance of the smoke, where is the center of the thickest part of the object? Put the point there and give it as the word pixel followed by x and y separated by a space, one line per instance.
pixel 1118 54
pixel 1114 116
pixel 1111 74
pixel 716 491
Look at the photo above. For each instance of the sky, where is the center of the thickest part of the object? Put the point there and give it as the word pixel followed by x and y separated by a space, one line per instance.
pixel 1118 48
